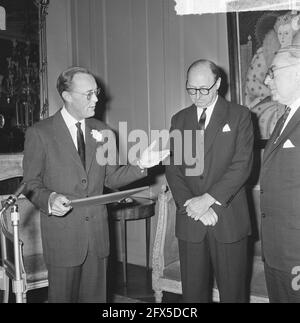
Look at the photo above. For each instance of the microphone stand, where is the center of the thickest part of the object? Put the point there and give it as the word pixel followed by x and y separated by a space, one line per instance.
pixel 18 283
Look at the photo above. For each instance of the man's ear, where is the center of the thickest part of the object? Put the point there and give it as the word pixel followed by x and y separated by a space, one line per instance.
pixel 66 96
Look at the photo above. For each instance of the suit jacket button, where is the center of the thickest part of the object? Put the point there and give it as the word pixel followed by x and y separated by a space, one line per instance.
pixel 261 192
pixel 201 176
pixel 263 215
pixel 83 181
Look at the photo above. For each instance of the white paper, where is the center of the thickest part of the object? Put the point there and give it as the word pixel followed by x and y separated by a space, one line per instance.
pixel 107 198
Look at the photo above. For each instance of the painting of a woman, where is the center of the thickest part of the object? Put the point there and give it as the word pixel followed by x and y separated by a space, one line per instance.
pixel 257 95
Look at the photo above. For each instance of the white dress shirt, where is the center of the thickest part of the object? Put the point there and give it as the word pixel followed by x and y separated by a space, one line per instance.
pixel 208 111
pixel 71 124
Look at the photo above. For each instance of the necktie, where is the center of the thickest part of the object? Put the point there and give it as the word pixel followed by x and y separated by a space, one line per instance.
pixel 200 147
pixel 281 121
pixel 202 120
pixel 80 143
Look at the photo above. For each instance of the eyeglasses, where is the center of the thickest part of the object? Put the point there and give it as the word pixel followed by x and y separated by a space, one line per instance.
pixel 202 90
pixel 90 93
pixel 272 69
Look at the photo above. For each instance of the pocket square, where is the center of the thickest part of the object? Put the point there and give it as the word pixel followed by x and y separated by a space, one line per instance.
pixel 226 128
pixel 288 144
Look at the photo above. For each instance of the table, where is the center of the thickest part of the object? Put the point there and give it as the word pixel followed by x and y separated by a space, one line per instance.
pixel 140 208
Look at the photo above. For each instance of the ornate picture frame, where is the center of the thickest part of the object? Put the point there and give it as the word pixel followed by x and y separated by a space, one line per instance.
pixel 253 39
pixel 43 7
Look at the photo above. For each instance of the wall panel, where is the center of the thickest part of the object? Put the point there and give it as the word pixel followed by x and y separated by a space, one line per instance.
pixel 140 50
pixel 59 46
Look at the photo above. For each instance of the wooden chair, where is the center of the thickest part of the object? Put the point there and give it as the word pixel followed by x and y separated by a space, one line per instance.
pixel 165 262
pixel 33 270
pixel 165 256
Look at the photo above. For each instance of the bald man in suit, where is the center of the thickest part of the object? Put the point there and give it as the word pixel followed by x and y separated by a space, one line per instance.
pixel 212 218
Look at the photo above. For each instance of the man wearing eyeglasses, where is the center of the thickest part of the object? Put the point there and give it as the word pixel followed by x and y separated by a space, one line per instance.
pixel 280 182
pixel 212 219
pixel 60 165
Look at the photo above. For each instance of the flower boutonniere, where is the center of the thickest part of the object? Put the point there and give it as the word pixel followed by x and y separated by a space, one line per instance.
pixel 97 135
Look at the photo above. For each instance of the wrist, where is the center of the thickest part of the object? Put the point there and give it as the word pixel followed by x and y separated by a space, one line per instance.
pixel 139 164
pixel 50 202
pixel 210 199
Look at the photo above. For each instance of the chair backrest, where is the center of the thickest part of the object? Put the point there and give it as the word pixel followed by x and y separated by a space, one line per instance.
pixel 165 250
pixel 29 228
pixel 11 166
pixel 171 252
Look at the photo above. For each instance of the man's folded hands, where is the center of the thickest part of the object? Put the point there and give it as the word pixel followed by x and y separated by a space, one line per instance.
pixel 209 218
pixel 199 208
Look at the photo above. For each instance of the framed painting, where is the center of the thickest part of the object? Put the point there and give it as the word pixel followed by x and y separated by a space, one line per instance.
pixel 254 37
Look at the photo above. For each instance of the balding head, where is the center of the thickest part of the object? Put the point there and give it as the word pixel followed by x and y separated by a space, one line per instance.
pixel 204 66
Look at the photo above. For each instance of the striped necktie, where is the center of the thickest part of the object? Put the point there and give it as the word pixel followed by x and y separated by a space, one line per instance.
pixel 279 125
pixel 202 120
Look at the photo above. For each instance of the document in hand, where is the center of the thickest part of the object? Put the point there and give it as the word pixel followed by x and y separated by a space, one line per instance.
pixel 106 198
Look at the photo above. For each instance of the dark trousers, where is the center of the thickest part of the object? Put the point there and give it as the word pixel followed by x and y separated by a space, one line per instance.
pixel 80 284
pixel 282 287
pixel 228 262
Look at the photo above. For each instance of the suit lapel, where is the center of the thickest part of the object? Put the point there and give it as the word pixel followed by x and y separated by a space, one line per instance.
pixel 271 140
pixel 64 139
pixel 217 121
pixel 191 121
pixel 270 148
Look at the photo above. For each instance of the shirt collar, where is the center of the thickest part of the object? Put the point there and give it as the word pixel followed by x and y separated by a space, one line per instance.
pixel 294 106
pixel 70 120
pixel 210 107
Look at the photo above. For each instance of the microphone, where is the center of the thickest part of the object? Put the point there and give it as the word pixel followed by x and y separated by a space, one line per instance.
pixel 11 200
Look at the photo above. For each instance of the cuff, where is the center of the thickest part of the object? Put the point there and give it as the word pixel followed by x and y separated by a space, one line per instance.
pixel 138 163
pixel 212 200
pixel 50 202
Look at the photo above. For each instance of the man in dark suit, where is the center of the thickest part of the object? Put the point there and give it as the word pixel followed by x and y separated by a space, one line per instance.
pixel 280 182
pixel 212 220
pixel 61 163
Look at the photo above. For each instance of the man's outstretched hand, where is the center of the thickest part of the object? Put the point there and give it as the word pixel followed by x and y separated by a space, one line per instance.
pixel 151 158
